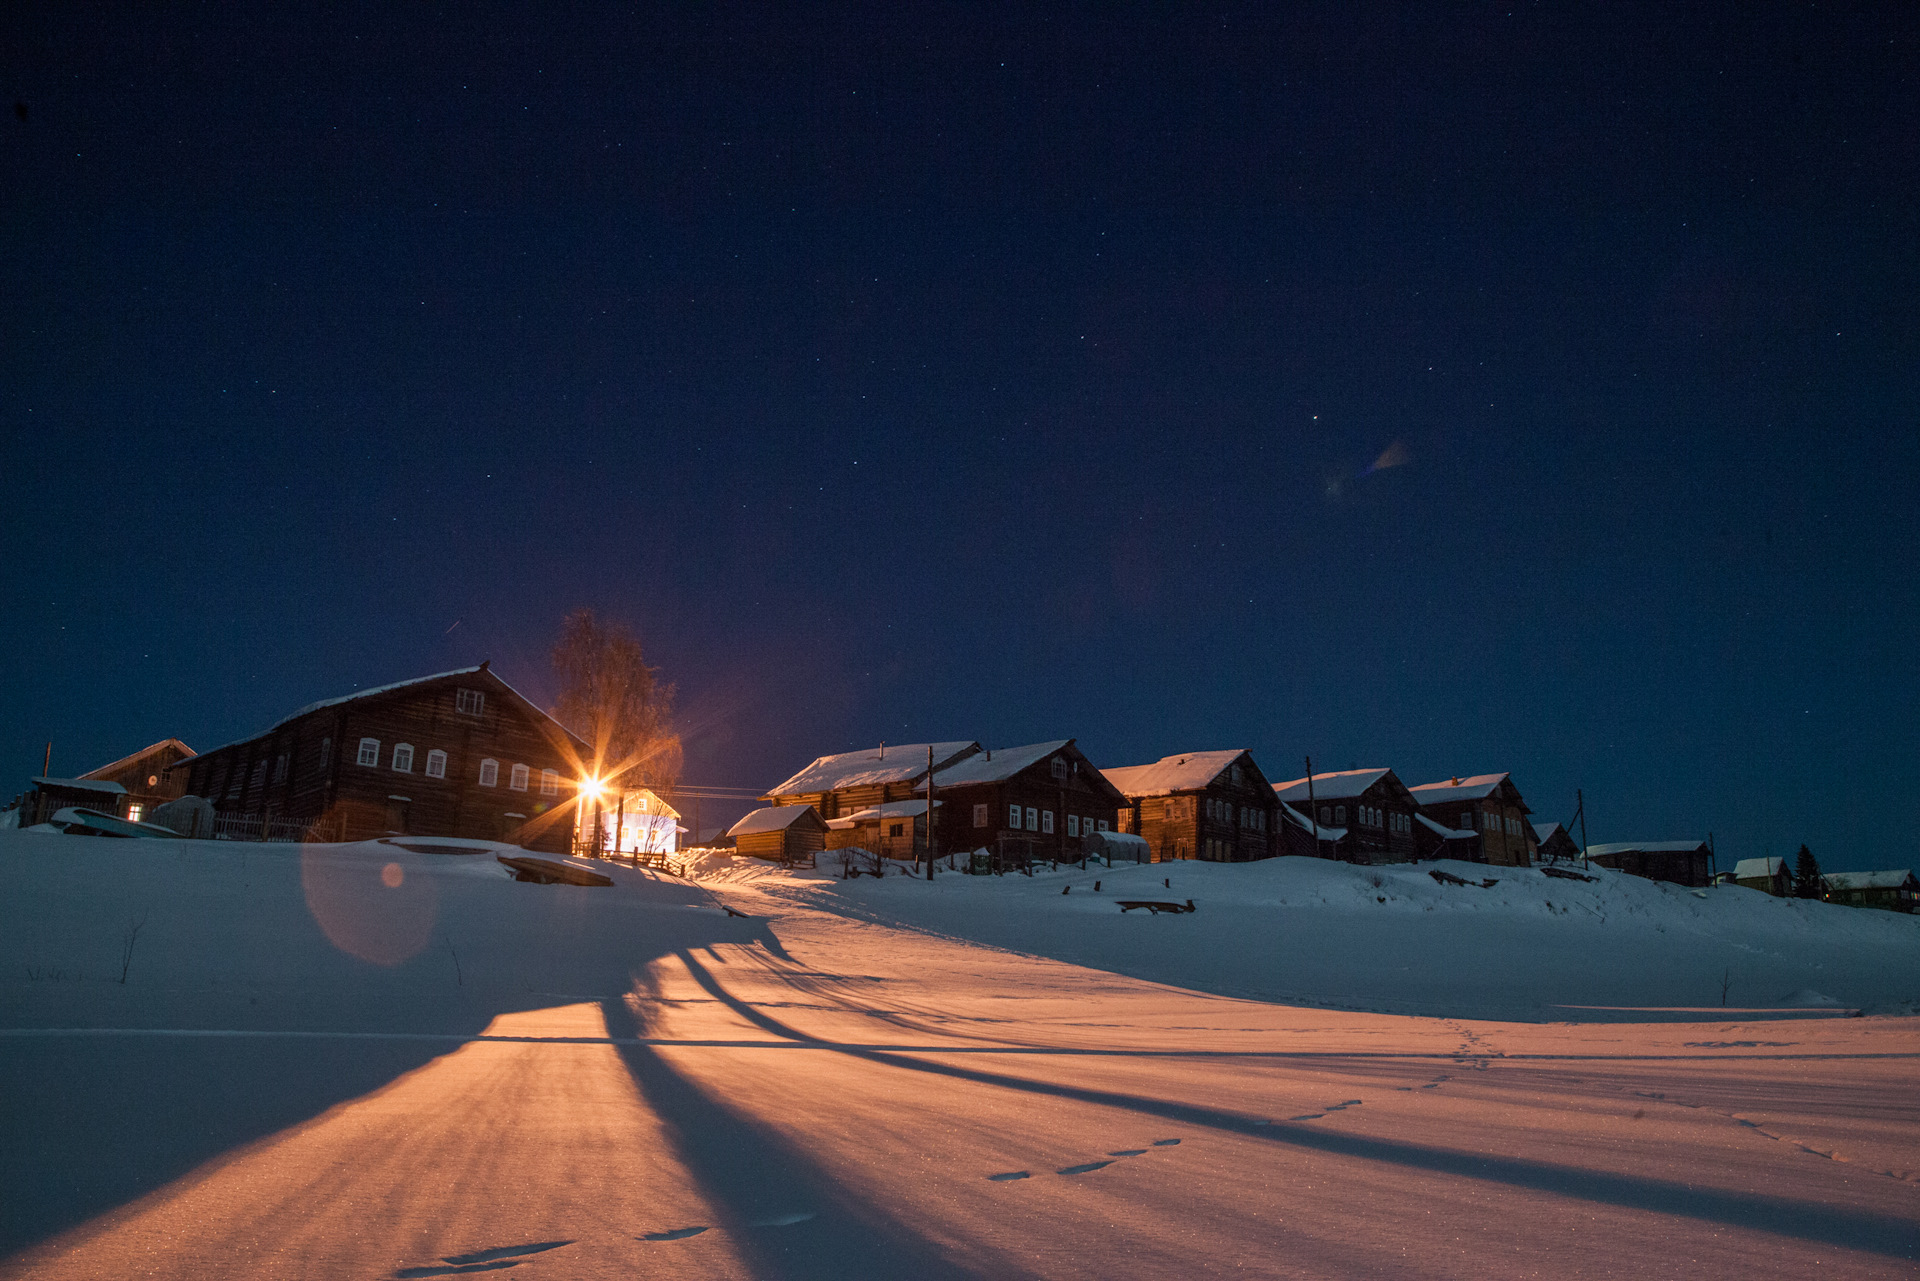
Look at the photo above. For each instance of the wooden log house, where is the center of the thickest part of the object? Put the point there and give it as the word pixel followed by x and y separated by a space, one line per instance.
pixel 460 753
pixel 1215 806
pixel 151 776
pixel 1768 875
pixel 783 833
pixel 1552 844
pixel 1023 803
pixel 1893 891
pixel 1374 807
pixel 1489 807
pixel 1676 862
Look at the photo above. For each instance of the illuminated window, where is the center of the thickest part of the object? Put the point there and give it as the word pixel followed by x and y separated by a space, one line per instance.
pixel 489 772
pixel 1046 821
pixel 518 779
pixel 369 752
pixel 134 812
pixel 436 764
pixel 469 702
pixel 549 782
pixel 979 816
pixel 403 757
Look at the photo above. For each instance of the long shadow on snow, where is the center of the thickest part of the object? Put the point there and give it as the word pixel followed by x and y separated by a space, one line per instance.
pixel 1877 1234
pixel 92 1123
pixel 749 1176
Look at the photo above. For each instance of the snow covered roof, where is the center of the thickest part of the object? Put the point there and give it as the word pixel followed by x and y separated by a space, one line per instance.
pixel 1181 772
pixel 996 766
pixel 1479 787
pixel 130 758
pixel 1754 869
pixel 1543 832
pixel 874 813
pixel 1449 833
pixel 1340 786
pixel 774 818
pixel 1307 825
pixel 871 766
pixel 1868 880
pixel 1651 847
pixel 1120 838
pixel 80 784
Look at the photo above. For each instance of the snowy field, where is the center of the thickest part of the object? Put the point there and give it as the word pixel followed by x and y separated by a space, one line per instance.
pixel 366 1061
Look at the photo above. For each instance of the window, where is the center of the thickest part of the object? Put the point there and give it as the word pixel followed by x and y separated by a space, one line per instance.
pixel 549 783
pixel 469 702
pixel 1073 825
pixel 326 752
pixel 895 829
pixel 1033 819
pixel 979 816
pixel 403 757
pixel 1059 767
pixel 1326 816
pixel 1046 821
pixel 259 774
pixel 134 812
pixel 436 764
pixel 489 772
pixel 1103 824
pixel 1339 816
pixel 280 769
pixel 518 779
pixel 369 752
pixel 1013 817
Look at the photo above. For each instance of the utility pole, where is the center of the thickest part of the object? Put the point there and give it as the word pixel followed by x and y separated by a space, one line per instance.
pixel 1313 811
pixel 1582 811
pixel 46 762
pixel 930 845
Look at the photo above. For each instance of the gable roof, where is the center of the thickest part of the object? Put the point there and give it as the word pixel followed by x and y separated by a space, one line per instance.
pixel 872 766
pixel 1305 824
pixel 79 784
pixel 1543 832
pixel 161 746
pixel 1476 788
pixel 1447 833
pixel 998 765
pixel 774 818
pixel 1757 869
pixel 1647 847
pixel 1339 786
pixel 1868 880
pixel 1181 772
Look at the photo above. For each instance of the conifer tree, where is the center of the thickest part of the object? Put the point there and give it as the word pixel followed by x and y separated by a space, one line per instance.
pixel 1806 874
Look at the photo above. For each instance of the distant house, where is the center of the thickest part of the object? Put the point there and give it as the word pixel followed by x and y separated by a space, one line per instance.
pixel 150 776
pixel 632 821
pixel 1216 806
pixel 784 833
pixel 1676 862
pixel 1372 804
pixel 837 786
pixel 1553 845
pixel 1487 805
pixel 1895 891
pixel 1029 802
pixel 459 753
pixel 1768 875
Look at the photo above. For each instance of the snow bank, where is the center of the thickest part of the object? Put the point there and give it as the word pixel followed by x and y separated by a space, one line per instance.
pixel 1394 939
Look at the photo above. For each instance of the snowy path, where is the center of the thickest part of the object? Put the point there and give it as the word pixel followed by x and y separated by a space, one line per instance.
pixel 814 1096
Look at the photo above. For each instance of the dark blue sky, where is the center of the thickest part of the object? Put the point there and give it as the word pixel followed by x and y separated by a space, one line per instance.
pixel 925 371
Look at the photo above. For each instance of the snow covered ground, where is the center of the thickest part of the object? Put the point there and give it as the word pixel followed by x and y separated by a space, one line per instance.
pixel 368 1061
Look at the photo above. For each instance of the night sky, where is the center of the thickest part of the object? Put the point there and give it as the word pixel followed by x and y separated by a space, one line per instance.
pixel 959 372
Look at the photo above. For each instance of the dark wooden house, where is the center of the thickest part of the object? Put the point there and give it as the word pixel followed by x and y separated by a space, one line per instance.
pixel 1031 802
pixel 1301 837
pixel 1768 875
pixel 1553 845
pixel 783 833
pixel 1216 806
pixel 1676 862
pixel 897 829
pixel 1894 891
pixel 51 795
pixel 461 753
pixel 151 776
pixel 1489 807
pixel 1373 806
pixel 840 785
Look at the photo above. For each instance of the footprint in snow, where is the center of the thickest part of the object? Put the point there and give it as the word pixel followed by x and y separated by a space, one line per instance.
pixel 1010 1176
pixel 782 1220
pixel 1307 1116
pixel 1088 1168
pixel 674 1234
pixel 1165 1143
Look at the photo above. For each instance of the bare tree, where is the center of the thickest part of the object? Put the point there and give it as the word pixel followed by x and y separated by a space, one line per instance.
pixel 613 700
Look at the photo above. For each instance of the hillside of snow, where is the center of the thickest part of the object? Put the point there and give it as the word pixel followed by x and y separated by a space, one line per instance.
pixel 1394 939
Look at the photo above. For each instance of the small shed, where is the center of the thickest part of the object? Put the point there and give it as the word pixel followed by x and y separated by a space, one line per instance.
pixel 1895 891
pixel 784 833
pixel 1555 845
pixel 1768 875
pixel 1117 847
pixel 51 795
